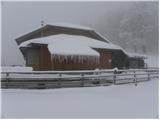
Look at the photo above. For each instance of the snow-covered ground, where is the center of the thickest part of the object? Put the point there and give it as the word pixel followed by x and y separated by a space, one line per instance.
pixel 15 69
pixel 116 101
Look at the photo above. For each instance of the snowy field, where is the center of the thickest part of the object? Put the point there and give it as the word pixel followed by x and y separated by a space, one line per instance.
pixel 116 101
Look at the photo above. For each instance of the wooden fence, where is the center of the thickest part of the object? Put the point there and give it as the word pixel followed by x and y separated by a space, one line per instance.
pixel 60 79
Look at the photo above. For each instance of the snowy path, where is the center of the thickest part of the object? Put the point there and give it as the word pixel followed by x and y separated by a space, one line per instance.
pixel 117 101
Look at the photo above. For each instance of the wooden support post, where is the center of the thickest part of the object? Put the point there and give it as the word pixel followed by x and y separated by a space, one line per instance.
pixel 115 76
pixel 59 82
pixel 135 79
pixel 7 80
pixel 148 74
pixel 82 75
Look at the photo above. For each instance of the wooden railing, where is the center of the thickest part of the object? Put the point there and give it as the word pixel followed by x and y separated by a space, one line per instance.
pixel 54 79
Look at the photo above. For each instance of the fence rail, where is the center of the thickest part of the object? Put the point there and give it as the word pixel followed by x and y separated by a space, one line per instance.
pixel 57 79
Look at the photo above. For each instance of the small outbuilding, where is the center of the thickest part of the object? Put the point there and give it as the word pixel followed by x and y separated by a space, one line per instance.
pixel 70 47
pixel 136 61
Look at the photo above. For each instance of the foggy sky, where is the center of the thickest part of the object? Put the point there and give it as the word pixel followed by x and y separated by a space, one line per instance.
pixel 19 18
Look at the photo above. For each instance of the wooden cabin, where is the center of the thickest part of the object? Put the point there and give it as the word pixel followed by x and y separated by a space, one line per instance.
pixel 70 47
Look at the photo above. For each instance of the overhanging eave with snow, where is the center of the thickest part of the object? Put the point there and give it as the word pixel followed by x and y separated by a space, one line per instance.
pixel 71 45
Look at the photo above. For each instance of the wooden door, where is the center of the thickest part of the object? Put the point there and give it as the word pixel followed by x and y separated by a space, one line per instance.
pixel 105 60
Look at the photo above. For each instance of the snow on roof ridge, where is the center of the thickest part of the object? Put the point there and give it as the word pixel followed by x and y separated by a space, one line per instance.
pixel 70 25
pixel 103 37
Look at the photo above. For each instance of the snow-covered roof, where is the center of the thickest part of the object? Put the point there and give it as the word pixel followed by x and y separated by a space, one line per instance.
pixel 63 44
pixel 69 25
pixel 76 26
pixel 136 55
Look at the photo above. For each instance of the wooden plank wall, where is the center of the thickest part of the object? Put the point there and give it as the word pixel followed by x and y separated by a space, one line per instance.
pixel 71 64
pixel 45 62
pixel 45 59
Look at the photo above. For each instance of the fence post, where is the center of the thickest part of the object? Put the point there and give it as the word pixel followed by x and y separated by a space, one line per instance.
pixel 59 82
pixel 135 79
pixel 115 76
pixel 82 84
pixel 148 74
pixel 7 80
